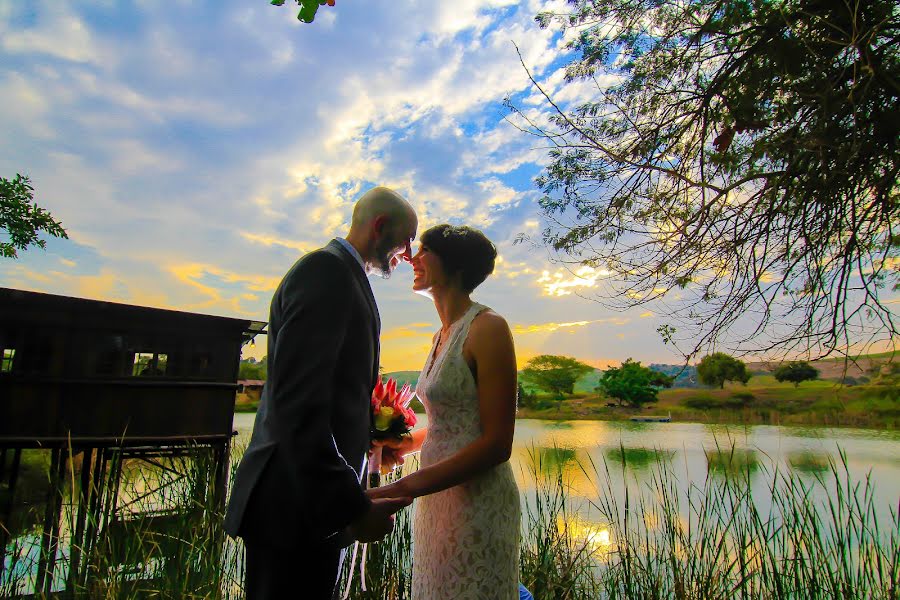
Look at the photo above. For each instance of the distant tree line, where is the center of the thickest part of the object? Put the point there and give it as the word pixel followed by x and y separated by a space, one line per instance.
pixel 546 380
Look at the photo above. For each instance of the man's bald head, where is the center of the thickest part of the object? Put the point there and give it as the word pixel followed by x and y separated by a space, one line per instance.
pixel 381 202
pixel 382 227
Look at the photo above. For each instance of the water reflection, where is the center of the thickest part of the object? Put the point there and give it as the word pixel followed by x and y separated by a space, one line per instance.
pixel 732 461
pixel 30 493
pixel 630 425
pixel 552 461
pixel 594 537
pixel 807 461
pixel 558 425
pixel 638 458
pixel 540 464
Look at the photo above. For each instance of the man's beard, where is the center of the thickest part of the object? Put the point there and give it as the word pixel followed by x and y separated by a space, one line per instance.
pixel 383 259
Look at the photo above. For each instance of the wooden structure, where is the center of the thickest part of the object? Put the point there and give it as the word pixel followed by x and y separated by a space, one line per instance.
pixel 653 418
pixel 101 383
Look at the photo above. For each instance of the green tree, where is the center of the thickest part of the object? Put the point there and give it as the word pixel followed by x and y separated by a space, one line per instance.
pixel 633 384
pixel 21 219
pixel 252 369
pixel 796 372
pixel 717 368
pixel 554 374
pixel 737 158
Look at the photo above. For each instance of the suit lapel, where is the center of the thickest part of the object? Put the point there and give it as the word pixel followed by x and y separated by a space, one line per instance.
pixel 362 281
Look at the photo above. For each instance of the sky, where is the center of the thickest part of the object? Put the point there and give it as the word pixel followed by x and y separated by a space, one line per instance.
pixel 194 150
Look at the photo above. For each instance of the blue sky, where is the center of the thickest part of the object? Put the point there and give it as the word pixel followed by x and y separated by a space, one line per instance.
pixel 194 150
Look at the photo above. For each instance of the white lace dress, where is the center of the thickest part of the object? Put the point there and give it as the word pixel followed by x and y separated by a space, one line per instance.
pixel 466 538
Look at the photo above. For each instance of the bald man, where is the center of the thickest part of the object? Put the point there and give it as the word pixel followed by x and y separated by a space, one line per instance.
pixel 297 498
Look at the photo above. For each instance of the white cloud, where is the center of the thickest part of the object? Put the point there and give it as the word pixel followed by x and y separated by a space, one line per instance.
pixel 57 32
pixel 563 281
pixel 24 106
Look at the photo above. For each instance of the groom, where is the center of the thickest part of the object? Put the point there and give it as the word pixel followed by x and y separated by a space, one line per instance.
pixel 297 499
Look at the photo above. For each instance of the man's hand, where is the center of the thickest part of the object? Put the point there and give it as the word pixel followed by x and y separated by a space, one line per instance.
pixel 379 520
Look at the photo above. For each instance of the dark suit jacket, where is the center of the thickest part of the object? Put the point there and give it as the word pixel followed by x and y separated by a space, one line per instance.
pixel 299 479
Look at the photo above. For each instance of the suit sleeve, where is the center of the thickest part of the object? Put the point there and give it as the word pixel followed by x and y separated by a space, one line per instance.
pixel 315 306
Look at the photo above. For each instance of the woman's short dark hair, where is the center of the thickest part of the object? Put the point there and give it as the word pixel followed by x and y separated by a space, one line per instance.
pixel 463 250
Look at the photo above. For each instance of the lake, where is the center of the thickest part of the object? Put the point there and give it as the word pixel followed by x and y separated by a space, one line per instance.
pixel 582 450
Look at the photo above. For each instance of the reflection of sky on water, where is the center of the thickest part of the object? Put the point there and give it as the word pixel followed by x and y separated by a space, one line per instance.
pixel 582 451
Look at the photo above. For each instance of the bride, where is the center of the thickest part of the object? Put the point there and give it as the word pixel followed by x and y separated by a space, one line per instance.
pixel 466 523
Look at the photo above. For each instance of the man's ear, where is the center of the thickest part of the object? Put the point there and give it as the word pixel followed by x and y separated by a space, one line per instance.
pixel 380 225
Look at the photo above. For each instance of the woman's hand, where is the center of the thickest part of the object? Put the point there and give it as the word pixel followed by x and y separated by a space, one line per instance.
pixel 391 490
pixel 393 450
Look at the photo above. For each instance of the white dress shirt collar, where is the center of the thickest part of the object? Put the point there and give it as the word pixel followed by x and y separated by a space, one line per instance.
pixel 353 252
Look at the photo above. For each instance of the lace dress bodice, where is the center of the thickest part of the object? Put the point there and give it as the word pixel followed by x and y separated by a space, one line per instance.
pixel 466 538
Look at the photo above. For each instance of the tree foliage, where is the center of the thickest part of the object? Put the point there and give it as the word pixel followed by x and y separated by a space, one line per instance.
pixel 633 384
pixel 718 367
pixel 252 369
pixel 737 158
pixel 554 374
pixel 796 372
pixel 308 8
pixel 21 219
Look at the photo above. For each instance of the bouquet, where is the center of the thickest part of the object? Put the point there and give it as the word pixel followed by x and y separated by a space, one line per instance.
pixel 391 418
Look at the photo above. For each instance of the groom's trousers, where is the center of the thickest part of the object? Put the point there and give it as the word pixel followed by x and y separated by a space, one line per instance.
pixel 281 566
pixel 308 572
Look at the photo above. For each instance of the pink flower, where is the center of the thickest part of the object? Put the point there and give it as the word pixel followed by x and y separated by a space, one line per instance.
pixel 391 415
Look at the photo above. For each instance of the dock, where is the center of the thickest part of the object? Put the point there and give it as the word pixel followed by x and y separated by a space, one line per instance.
pixel 653 418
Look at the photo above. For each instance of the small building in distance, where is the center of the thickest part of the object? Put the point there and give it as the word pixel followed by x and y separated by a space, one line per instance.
pixel 251 387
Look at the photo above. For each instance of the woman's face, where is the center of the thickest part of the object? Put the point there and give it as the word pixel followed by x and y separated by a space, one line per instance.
pixel 428 271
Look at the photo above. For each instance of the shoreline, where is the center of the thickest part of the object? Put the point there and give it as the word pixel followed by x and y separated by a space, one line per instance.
pixel 763 401
pixel 779 420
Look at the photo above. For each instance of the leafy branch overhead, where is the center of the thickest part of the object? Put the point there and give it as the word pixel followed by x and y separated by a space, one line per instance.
pixel 21 219
pixel 308 8
pixel 736 159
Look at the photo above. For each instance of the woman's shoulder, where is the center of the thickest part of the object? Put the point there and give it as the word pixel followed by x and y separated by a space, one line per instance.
pixel 489 337
pixel 488 322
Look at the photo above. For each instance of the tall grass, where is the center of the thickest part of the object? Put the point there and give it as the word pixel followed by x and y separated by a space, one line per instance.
pixel 386 567
pixel 163 538
pixel 810 538
pixel 809 535
pixel 167 538
pixel 818 538
pixel 556 553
